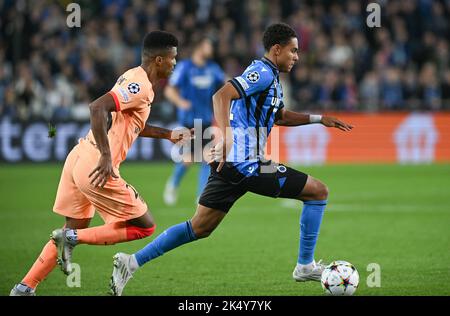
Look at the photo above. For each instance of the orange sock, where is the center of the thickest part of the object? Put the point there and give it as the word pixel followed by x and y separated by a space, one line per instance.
pixel 110 234
pixel 42 266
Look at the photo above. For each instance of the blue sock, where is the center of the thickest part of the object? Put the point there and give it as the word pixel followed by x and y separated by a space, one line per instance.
pixel 171 238
pixel 309 229
pixel 178 173
pixel 203 178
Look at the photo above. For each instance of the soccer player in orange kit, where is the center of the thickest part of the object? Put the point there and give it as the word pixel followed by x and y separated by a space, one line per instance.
pixel 117 119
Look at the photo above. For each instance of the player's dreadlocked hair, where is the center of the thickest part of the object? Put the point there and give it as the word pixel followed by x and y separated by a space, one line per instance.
pixel 157 42
pixel 279 33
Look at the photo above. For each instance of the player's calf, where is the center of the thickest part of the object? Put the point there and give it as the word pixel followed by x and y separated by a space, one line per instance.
pixel 109 234
pixel 202 231
pixel 314 196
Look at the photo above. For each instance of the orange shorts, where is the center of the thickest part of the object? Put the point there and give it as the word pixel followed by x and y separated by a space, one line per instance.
pixel 77 198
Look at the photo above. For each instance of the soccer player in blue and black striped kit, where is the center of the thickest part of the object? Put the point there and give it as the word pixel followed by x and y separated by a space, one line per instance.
pixel 252 101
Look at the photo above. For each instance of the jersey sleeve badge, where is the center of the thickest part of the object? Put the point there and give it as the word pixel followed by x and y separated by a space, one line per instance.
pixel 134 87
pixel 253 76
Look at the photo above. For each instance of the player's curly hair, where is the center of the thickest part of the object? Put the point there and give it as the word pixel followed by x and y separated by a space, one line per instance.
pixel 157 41
pixel 278 33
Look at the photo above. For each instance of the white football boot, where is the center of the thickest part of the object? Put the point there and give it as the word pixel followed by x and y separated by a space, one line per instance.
pixel 309 272
pixel 65 246
pixel 122 273
pixel 22 290
pixel 170 194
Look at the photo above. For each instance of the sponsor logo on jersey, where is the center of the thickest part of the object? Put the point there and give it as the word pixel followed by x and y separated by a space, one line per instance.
pixel 202 82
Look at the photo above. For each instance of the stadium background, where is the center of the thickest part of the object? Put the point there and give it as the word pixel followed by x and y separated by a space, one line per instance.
pixel 392 82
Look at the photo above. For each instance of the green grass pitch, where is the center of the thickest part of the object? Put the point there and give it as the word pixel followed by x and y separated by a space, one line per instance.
pixel 395 216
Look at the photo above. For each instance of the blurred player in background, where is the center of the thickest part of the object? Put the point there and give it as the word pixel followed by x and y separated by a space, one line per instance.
pixel 253 100
pixel 191 87
pixel 117 119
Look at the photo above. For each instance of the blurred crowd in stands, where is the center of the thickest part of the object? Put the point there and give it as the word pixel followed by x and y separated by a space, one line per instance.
pixel 51 71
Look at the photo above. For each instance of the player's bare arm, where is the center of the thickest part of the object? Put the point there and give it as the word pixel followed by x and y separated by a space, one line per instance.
pixel 290 118
pixel 163 133
pixel 221 102
pixel 173 95
pixel 99 110
pixel 330 121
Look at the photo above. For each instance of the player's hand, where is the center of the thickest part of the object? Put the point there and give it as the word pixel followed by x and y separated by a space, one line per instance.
pixel 182 137
pixel 218 154
pixel 100 175
pixel 330 121
pixel 184 104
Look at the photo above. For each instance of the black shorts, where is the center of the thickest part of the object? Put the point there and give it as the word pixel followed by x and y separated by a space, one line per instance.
pixel 227 186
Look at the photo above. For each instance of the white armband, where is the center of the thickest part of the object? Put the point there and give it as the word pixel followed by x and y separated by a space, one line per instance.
pixel 315 118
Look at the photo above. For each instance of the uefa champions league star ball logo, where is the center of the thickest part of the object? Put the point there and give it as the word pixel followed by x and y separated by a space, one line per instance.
pixel 253 76
pixel 134 88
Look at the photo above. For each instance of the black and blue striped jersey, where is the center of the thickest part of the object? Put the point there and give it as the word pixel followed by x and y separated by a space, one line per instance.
pixel 253 115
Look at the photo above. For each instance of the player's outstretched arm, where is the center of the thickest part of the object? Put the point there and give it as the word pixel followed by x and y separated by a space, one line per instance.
pixel 175 136
pixel 99 110
pixel 290 118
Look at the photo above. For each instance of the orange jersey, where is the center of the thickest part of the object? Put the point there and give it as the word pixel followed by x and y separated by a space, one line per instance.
pixel 133 95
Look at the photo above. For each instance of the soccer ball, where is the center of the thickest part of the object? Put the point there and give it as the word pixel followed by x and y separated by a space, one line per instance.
pixel 340 278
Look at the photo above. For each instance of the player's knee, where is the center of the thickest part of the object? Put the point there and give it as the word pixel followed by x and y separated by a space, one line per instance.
pixel 149 224
pixel 205 221
pixel 134 232
pixel 145 221
pixel 321 191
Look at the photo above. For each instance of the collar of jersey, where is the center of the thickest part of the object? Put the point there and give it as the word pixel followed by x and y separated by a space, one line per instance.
pixel 271 64
pixel 146 76
pixel 268 62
